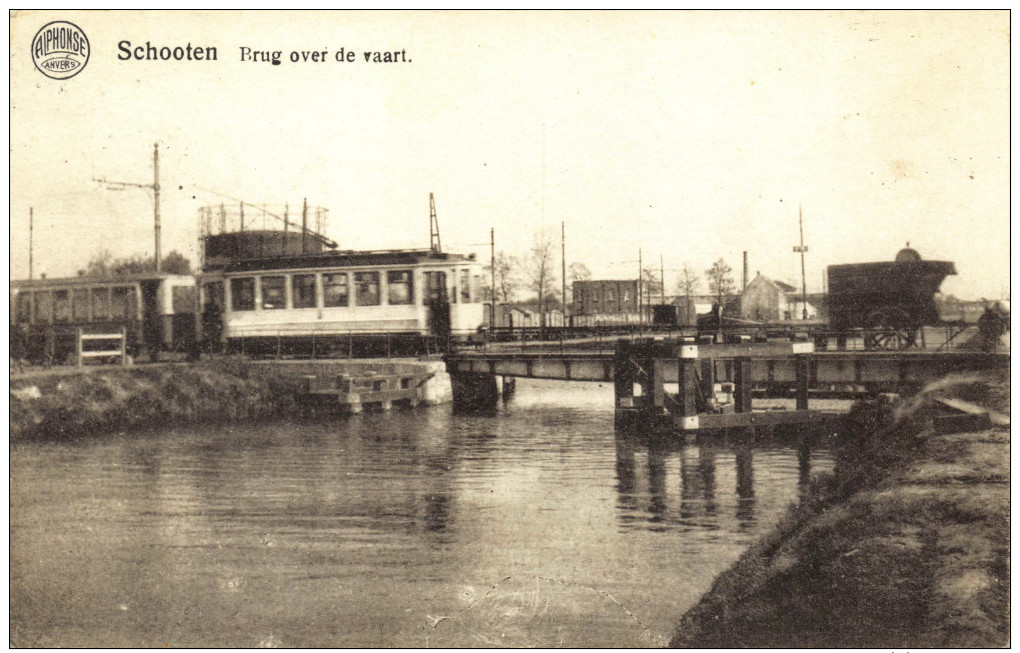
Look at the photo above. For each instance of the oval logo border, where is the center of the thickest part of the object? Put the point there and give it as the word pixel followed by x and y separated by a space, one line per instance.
pixel 78 68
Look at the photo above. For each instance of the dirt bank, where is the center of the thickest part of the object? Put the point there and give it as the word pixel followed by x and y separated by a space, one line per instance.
pixel 72 406
pixel 906 545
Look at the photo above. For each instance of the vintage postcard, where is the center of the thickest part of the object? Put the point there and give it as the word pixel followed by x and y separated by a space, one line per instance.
pixel 509 328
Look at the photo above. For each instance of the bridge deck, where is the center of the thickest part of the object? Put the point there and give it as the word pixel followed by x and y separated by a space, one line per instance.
pixel 774 364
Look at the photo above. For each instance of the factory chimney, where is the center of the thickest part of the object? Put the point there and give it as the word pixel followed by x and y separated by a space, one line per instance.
pixel 745 272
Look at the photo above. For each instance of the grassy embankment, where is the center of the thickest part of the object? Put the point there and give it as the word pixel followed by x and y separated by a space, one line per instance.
pixel 74 406
pixel 905 545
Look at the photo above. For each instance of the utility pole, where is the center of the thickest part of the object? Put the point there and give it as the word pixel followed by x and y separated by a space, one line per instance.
pixel 640 287
pixel 155 193
pixel 31 228
pixel 802 249
pixel 492 272
pixel 563 270
pixel 662 282
pixel 154 186
pixel 304 226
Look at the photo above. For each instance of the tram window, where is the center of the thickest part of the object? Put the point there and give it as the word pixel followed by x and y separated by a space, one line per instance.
pixel 61 306
pixel 123 302
pixel 274 292
pixel 399 287
pixel 334 290
pixel 242 294
pixel 453 287
pixel 23 307
pixel 100 303
pixel 465 286
pixel 43 307
pixel 366 287
pixel 303 290
pixel 435 284
pixel 80 304
pixel 182 299
pixel 476 288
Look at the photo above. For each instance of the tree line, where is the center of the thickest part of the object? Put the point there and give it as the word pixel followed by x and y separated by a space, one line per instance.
pixel 538 271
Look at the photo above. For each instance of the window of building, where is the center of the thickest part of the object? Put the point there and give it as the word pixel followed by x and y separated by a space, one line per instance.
pixel 123 303
pixel 274 293
pixel 400 287
pixel 43 307
pixel 303 290
pixel 100 303
pixel 23 307
pixel 465 286
pixel 242 294
pixel 80 304
pixel 334 290
pixel 61 306
pixel 366 287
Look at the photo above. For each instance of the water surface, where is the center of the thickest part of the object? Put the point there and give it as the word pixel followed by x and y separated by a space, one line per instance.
pixel 538 526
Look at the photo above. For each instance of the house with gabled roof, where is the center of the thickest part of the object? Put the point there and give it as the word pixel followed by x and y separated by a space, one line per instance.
pixel 769 300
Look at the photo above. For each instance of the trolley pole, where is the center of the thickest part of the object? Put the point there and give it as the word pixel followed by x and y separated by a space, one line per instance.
pixel 803 278
pixel 640 287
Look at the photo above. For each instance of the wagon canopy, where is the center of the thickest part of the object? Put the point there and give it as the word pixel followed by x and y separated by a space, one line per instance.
pixel 906 286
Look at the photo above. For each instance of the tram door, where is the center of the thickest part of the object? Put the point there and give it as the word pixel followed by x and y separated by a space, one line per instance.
pixel 152 319
pixel 438 304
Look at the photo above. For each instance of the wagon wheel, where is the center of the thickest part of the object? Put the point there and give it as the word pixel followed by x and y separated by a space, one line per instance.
pixel 889 327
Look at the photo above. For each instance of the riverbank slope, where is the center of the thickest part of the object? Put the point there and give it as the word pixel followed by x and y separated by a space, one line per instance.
pixel 906 545
pixel 69 404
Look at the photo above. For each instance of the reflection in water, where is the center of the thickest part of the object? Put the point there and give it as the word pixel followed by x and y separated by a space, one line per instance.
pixel 386 529
pixel 745 483
pixel 698 466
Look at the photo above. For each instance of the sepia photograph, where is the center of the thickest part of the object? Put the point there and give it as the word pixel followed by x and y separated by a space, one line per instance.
pixel 509 329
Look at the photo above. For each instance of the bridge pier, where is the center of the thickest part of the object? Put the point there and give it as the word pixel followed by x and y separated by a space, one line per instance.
pixel 474 392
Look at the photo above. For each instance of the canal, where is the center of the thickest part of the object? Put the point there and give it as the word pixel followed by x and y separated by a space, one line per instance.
pixel 538 526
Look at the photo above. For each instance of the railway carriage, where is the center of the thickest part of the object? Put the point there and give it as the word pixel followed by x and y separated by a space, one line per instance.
pixel 156 312
pixel 342 303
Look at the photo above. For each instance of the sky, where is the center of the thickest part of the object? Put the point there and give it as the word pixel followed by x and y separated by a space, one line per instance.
pixel 687 136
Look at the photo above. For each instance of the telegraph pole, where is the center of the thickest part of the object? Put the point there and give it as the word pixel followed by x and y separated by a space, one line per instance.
pixel 640 287
pixel 155 194
pixel 563 271
pixel 154 186
pixel 662 281
pixel 492 273
pixel 31 228
pixel 802 249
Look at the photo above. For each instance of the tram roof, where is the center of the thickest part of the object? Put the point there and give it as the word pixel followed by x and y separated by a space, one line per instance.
pixel 87 280
pixel 347 258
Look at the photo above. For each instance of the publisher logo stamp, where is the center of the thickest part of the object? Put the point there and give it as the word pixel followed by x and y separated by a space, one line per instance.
pixel 60 50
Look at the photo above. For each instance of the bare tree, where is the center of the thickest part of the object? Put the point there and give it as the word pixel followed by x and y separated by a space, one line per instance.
pixel 688 282
pixel 720 280
pixel 507 278
pixel 687 286
pixel 651 284
pixel 540 269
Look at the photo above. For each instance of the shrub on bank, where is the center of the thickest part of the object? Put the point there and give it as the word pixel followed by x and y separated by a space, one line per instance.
pixel 80 405
pixel 906 545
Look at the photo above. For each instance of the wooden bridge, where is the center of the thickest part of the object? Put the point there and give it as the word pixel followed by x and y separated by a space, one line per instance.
pixel 692 387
